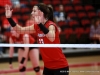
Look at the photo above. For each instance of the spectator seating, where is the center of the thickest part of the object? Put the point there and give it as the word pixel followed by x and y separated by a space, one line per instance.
pixel 75 31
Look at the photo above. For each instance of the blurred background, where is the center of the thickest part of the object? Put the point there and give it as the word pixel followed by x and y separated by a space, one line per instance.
pixel 78 22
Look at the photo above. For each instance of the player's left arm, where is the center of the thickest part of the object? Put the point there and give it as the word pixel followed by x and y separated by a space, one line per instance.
pixel 51 34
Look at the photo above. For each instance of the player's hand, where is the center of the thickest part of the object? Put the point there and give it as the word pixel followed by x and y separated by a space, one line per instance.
pixel 11 66
pixel 39 17
pixel 8 11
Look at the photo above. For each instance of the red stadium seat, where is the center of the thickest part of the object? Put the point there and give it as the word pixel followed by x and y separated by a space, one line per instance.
pixel 24 2
pixel 25 17
pixel 2 17
pixel 4 2
pixel 85 22
pixel 87 30
pixel 65 2
pixel 73 23
pixel 76 2
pixel 18 16
pixel 69 8
pixel 56 8
pixel 47 1
pixel 72 14
pixel 70 36
pixel 16 11
pixel 89 8
pixel 83 37
pixel 99 14
pixel 33 2
pixel 91 15
pixel 81 15
pixel 68 31
pixel 62 23
pixel 56 2
pixel 2 10
pixel 79 31
pixel 78 8
pixel 24 10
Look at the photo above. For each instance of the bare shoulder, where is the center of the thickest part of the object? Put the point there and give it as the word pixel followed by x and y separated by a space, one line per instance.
pixel 51 27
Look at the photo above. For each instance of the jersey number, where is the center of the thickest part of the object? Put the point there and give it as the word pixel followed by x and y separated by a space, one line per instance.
pixel 41 41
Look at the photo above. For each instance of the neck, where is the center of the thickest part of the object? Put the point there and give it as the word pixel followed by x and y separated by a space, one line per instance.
pixel 44 21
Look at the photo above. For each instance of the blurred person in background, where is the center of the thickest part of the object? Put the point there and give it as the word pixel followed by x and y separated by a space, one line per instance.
pixel 6 24
pixel 16 3
pixel 60 15
pixel 95 31
pixel 6 27
pixel 2 40
pixel 24 52
pixel 29 22
pixel 68 19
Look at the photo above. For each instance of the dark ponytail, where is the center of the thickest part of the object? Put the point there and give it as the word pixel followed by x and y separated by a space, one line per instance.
pixel 50 16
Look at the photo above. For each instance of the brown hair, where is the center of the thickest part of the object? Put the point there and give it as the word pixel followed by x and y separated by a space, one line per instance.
pixel 48 11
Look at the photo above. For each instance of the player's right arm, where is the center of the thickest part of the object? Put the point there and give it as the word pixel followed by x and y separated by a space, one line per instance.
pixel 17 27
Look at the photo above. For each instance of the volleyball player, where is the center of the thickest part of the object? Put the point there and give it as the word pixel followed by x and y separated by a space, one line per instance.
pixel 23 53
pixel 55 62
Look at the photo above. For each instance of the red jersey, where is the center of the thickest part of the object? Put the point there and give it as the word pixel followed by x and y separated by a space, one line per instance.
pixel 20 39
pixel 53 57
pixel 28 23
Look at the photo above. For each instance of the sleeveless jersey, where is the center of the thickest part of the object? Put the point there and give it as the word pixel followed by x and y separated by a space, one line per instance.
pixel 53 57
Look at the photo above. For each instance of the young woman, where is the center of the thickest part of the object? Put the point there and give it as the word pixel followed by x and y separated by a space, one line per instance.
pixel 47 32
pixel 95 31
pixel 23 53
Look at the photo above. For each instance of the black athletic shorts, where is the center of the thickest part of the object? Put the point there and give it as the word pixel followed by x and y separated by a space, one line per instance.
pixel 61 71
pixel 30 48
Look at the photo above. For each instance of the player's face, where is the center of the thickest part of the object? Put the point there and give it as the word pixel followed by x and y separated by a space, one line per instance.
pixel 34 11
